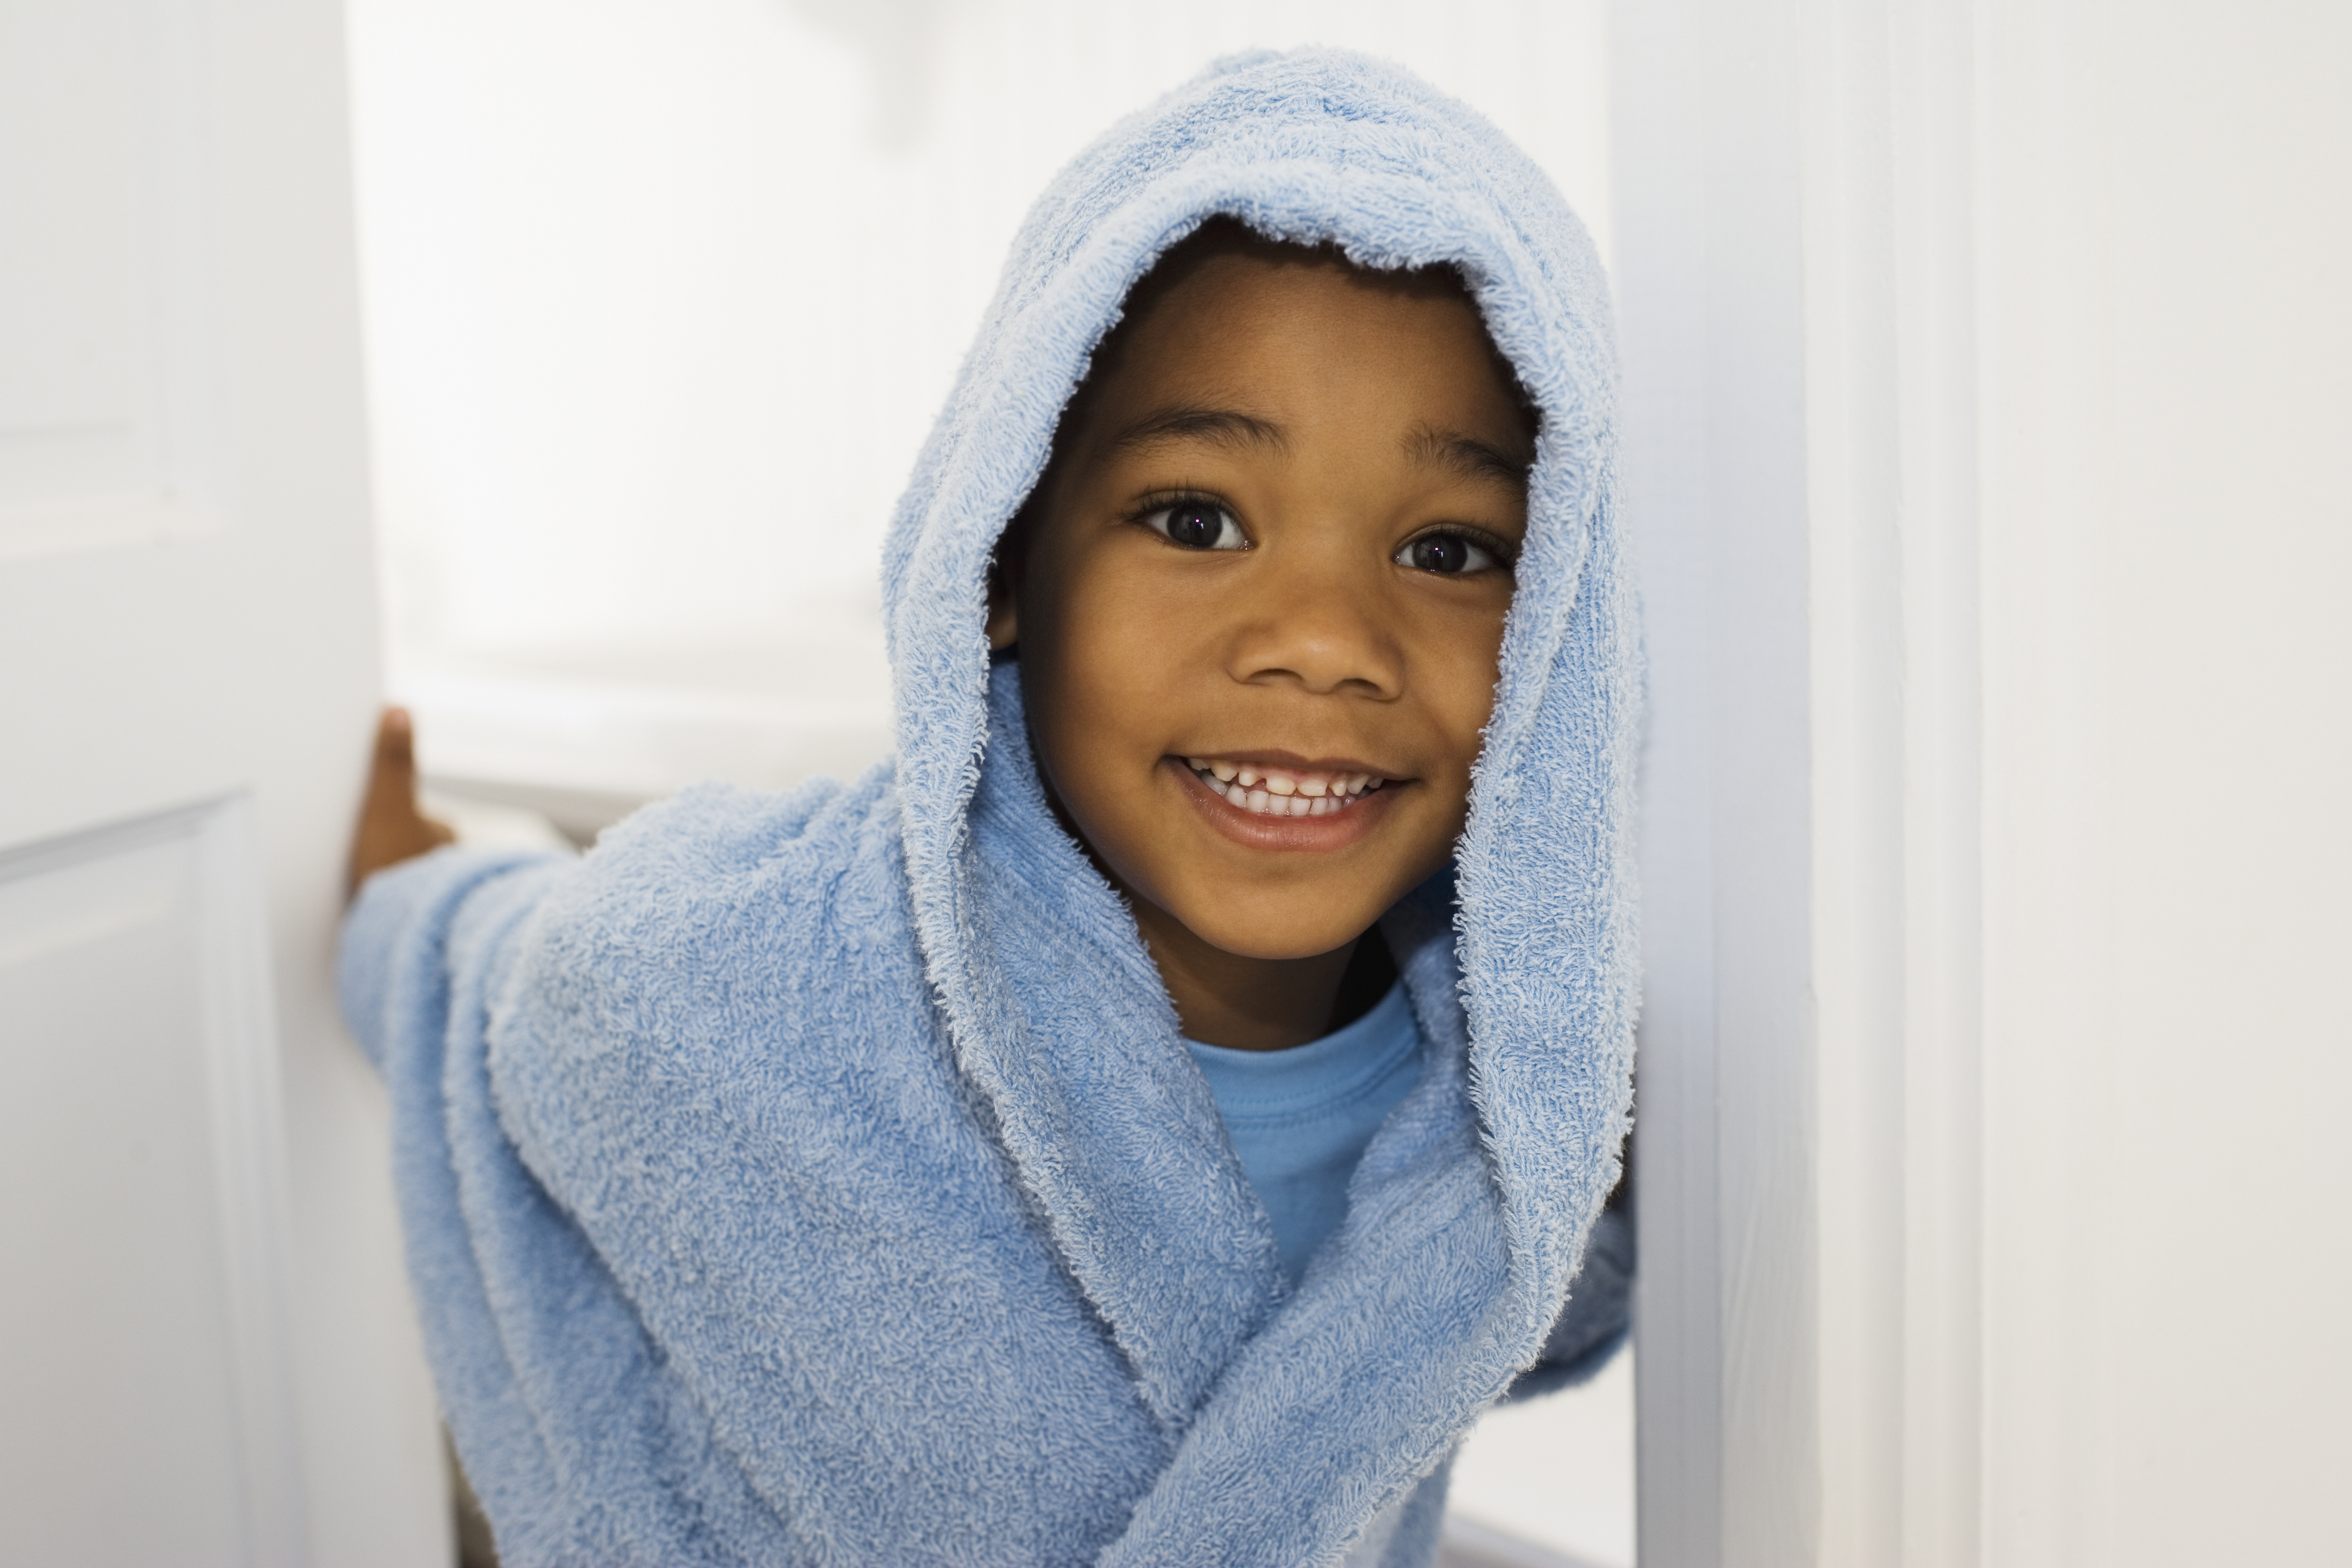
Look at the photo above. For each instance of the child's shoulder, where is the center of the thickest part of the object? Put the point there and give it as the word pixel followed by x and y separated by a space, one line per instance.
pixel 710 965
pixel 724 830
pixel 716 866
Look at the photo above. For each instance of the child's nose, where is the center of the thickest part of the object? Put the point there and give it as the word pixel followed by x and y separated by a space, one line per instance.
pixel 1320 629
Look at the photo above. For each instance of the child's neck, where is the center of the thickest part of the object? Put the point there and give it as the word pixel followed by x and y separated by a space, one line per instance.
pixel 1263 1004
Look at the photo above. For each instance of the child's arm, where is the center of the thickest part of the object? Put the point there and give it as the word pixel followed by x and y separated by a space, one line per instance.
pixel 390 915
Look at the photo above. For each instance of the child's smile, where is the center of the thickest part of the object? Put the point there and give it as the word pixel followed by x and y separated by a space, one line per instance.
pixel 1273 789
pixel 1285 805
pixel 1259 600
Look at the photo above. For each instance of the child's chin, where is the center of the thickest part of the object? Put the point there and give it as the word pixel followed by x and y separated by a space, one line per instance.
pixel 1277 935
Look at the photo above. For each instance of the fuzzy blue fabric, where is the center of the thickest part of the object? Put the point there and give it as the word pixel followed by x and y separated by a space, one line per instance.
pixel 822 1179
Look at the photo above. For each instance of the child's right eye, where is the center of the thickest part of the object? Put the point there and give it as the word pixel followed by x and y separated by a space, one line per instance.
pixel 1196 524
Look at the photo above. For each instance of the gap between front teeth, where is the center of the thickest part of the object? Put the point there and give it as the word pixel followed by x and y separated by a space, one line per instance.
pixel 1279 792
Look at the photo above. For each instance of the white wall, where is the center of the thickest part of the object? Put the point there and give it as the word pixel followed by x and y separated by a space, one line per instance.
pixel 2168 549
pixel 1987 403
pixel 663 296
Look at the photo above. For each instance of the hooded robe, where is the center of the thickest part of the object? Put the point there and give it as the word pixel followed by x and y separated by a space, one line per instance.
pixel 820 1178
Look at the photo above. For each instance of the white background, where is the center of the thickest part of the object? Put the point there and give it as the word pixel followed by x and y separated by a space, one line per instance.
pixel 661 299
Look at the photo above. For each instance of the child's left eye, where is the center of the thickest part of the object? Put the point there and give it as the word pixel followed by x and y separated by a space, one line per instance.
pixel 1451 554
pixel 1196 524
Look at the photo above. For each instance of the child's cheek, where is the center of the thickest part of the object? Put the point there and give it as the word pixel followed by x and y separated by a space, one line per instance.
pixel 1103 673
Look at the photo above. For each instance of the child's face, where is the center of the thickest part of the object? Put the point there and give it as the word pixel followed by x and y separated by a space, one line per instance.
pixel 1275 551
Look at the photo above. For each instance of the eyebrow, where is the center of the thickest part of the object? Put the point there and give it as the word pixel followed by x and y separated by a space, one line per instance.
pixel 1218 426
pixel 1426 447
pixel 1467 455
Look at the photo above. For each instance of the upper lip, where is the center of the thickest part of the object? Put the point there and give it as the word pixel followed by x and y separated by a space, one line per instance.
pixel 1290 761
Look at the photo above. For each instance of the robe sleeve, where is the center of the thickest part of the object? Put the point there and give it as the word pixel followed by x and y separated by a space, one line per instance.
pixel 1599 1314
pixel 398 935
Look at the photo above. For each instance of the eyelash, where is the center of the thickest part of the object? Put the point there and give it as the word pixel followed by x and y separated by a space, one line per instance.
pixel 1156 511
pixel 1504 558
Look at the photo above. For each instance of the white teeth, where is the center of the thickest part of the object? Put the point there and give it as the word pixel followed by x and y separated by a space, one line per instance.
pixel 1284 794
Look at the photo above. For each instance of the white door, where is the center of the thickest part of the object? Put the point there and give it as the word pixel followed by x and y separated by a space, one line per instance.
pixel 206 1349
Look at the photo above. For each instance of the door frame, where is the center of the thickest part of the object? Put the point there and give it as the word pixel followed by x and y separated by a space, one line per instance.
pixel 1796 226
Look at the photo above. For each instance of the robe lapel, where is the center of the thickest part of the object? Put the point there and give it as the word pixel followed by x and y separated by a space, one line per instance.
pixel 1060 1021
pixel 1411 1321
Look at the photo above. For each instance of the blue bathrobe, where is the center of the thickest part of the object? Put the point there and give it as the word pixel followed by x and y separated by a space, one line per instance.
pixel 821 1179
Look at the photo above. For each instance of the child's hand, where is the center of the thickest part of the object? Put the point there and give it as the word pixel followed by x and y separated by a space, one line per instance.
pixel 392 829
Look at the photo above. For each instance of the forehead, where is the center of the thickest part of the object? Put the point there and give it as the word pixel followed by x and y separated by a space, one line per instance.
pixel 1246 325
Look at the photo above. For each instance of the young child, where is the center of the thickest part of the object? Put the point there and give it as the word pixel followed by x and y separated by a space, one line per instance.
pixel 1150 1119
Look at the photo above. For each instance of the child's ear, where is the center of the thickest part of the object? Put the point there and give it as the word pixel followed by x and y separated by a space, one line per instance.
pixel 1003 614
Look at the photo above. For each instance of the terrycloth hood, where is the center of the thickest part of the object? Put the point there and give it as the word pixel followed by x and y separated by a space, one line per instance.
pixel 1311 146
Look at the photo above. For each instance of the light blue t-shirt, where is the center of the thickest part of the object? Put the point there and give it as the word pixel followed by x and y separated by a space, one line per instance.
pixel 1300 1118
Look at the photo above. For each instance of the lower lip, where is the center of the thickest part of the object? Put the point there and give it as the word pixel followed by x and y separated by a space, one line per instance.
pixel 1252 831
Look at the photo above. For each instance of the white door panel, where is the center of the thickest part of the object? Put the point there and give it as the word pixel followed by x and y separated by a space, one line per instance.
pixel 205 1347
pixel 142 1358
pixel 93 181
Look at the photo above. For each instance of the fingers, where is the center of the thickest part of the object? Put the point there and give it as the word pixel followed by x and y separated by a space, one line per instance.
pixel 396 752
pixel 392 827
pixel 390 797
pixel 395 744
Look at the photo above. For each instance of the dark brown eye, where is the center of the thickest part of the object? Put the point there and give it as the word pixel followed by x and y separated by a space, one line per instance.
pixel 1447 554
pixel 1197 525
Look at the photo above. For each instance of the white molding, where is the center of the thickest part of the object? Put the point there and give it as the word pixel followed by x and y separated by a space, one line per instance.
pixel 1466 1543
pixel 1796 230
pixel 633 740
pixel 1711 292
pixel 1933 81
pixel 246 1138
pixel 1891 425
pixel 86 525
pixel 1854 406
pixel 250 1172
